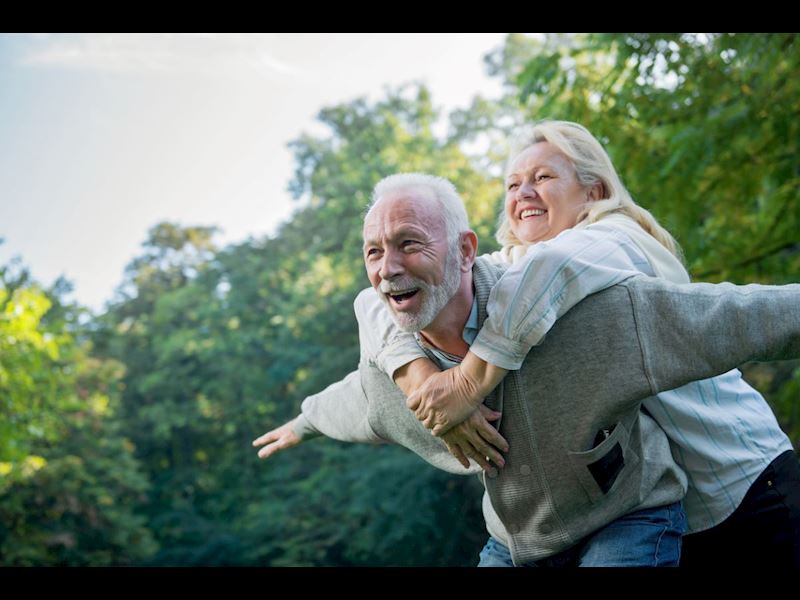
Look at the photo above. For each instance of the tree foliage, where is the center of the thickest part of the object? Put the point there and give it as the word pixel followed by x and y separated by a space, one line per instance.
pixel 69 483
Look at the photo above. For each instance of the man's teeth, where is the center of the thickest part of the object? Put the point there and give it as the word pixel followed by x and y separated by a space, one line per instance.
pixel 403 293
pixel 532 212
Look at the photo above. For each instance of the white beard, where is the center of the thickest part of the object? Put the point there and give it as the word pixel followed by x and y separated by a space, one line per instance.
pixel 434 297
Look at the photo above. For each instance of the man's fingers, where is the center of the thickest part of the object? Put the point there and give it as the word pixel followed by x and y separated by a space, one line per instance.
pixel 413 401
pixel 269 450
pixel 265 439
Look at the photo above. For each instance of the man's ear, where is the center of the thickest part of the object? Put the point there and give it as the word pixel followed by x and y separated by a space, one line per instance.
pixel 469 250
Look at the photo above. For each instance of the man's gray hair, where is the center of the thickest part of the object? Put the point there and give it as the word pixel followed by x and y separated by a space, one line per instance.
pixel 434 188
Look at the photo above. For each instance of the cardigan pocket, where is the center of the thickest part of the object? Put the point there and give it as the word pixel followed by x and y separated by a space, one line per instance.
pixel 601 469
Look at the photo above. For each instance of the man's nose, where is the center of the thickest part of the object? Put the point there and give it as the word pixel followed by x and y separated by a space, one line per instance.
pixel 391 265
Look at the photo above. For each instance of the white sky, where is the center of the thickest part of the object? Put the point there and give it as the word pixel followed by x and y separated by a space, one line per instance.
pixel 103 136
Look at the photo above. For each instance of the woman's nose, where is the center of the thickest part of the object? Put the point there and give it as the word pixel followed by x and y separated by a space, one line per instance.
pixel 526 190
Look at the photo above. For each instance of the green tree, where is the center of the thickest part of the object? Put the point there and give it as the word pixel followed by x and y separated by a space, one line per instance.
pixel 68 480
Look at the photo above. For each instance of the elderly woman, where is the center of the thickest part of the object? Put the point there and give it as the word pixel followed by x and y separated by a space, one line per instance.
pixel 570 228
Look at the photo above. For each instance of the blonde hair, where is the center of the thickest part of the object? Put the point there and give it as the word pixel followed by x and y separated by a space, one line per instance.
pixel 592 166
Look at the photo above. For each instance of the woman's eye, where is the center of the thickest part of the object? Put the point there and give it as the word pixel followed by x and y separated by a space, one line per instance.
pixel 513 186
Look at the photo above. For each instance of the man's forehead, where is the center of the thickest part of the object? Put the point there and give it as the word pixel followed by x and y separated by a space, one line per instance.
pixel 406 209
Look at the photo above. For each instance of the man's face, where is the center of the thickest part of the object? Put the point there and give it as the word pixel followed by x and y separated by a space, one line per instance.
pixel 408 260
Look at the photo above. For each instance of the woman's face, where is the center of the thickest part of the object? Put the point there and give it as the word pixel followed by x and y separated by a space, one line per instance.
pixel 543 196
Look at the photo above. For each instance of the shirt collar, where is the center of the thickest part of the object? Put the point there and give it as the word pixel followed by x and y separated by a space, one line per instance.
pixel 445 360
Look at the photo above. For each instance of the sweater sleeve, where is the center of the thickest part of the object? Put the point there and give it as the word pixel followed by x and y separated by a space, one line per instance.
pixel 303 429
pixel 382 342
pixel 340 411
pixel 694 331
pixel 550 279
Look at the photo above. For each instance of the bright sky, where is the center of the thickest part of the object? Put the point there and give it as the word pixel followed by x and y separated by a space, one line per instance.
pixel 103 136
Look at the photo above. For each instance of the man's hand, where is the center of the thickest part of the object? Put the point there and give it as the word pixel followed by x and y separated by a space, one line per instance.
pixel 475 438
pixel 449 397
pixel 276 440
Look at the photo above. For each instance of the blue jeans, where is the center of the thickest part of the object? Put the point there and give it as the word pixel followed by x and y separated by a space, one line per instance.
pixel 645 538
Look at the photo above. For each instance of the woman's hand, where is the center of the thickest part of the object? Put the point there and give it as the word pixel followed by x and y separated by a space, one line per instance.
pixel 449 397
pixel 411 376
pixel 444 400
pixel 475 438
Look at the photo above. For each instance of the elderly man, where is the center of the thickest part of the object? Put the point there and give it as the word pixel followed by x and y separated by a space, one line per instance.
pixel 582 458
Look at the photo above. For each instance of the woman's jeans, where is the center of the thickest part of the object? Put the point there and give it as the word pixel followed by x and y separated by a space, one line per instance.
pixel 645 538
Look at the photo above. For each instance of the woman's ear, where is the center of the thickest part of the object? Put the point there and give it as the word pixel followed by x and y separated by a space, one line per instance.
pixel 597 192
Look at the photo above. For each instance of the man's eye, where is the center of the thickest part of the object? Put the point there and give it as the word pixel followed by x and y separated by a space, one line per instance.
pixel 513 186
pixel 372 251
pixel 410 244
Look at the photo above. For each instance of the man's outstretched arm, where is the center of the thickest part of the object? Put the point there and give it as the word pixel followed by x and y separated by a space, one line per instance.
pixel 694 331
pixel 339 412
